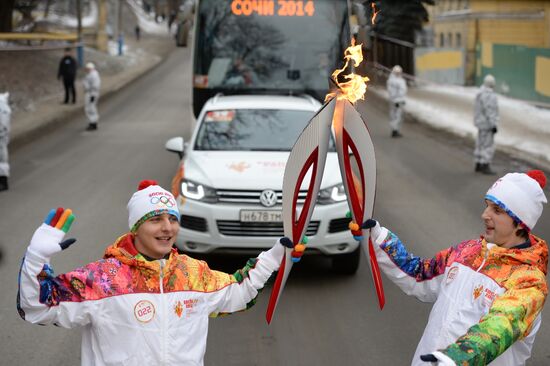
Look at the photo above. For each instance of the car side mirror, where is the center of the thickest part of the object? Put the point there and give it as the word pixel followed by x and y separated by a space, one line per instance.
pixel 176 145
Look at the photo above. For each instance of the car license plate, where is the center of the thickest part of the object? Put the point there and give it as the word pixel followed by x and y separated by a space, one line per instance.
pixel 261 216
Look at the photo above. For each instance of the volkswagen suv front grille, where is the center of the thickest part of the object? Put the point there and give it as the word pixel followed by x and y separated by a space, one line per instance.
pixel 238 228
pixel 251 197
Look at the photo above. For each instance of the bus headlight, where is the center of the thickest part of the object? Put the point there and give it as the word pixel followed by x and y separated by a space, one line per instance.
pixel 198 192
pixel 332 194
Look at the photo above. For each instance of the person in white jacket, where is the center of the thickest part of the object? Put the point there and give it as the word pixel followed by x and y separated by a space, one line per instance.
pixel 5 126
pixel 488 293
pixel 92 85
pixel 397 91
pixel 486 120
pixel 143 303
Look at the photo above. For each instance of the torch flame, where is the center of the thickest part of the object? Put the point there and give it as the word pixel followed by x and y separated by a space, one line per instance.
pixel 374 13
pixel 356 86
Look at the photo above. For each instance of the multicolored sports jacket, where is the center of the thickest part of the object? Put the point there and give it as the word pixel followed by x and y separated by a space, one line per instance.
pixel 139 312
pixel 487 299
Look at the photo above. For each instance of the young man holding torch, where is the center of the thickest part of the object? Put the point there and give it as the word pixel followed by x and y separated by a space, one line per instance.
pixel 488 293
pixel 143 303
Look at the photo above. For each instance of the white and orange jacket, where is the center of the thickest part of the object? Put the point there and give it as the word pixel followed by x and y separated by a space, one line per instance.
pixel 487 299
pixel 139 312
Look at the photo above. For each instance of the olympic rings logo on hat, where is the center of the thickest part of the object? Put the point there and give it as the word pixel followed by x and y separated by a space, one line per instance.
pixel 165 200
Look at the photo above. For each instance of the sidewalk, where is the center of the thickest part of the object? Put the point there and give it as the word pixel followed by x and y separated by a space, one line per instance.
pixel 523 131
pixel 118 71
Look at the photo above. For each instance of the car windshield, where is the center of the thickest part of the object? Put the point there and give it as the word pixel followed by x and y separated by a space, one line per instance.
pixel 252 129
pixel 284 51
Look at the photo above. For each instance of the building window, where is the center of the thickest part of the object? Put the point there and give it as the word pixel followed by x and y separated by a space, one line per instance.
pixel 441 40
pixel 449 39
pixel 458 40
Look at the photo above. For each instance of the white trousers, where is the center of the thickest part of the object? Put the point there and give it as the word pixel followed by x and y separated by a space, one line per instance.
pixel 485 147
pixel 4 165
pixel 90 108
pixel 396 115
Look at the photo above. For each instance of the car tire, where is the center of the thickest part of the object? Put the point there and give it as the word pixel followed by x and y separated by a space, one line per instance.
pixel 346 264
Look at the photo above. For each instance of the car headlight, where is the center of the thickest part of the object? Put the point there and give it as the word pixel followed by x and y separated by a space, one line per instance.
pixel 198 192
pixel 332 194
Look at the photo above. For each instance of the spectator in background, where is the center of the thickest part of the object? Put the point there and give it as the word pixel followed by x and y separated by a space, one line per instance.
pixel 67 72
pixel 92 83
pixel 397 91
pixel 137 30
pixel 486 121
pixel 5 125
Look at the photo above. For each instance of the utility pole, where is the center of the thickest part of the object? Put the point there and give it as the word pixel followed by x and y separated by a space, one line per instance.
pixel 101 40
pixel 79 46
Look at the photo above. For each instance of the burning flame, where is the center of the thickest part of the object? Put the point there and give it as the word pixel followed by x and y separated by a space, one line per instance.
pixel 374 13
pixel 356 86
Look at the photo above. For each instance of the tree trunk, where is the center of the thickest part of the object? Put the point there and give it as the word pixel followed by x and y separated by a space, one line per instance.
pixel 47 8
pixel 6 12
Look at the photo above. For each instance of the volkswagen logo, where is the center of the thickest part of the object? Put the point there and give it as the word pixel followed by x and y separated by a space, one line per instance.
pixel 268 198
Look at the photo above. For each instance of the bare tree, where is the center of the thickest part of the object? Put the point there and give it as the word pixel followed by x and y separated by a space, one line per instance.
pixel 6 14
pixel 26 7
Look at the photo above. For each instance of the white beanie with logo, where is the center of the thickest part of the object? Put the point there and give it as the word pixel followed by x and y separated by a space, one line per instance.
pixel 150 200
pixel 520 195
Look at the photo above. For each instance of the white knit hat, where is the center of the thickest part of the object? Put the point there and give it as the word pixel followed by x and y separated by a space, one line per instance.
pixel 90 65
pixel 520 195
pixel 489 81
pixel 150 200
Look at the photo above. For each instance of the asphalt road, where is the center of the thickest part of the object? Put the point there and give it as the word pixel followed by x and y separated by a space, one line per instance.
pixel 427 193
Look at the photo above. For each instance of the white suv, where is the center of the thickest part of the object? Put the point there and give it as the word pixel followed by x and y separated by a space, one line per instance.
pixel 229 181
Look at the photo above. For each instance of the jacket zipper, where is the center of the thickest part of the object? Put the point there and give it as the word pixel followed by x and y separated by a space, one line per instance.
pixel 486 254
pixel 164 314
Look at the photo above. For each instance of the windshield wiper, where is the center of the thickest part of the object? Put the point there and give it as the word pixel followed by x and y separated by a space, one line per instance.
pixel 268 149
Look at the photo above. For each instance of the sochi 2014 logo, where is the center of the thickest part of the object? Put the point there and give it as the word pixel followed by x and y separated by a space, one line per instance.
pixel 453 272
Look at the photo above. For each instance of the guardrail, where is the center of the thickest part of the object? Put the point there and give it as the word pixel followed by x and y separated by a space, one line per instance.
pixel 71 40
pixel 71 37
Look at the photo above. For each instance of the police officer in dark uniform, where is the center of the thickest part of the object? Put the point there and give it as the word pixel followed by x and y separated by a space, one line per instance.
pixel 67 71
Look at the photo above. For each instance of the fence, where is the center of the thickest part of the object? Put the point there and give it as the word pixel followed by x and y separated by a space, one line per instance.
pixel 520 72
pixel 440 65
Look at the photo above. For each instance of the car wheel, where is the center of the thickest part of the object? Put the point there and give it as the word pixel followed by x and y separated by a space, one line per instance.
pixel 346 264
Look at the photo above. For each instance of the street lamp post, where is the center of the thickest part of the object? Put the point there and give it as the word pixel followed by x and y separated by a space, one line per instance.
pixel 120 32
pixel 79 46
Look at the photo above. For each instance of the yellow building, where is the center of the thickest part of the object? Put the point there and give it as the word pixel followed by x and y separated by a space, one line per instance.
pixel 467 23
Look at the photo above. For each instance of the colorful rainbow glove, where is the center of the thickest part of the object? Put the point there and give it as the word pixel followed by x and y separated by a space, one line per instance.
pixel 48 238
pixel 298 250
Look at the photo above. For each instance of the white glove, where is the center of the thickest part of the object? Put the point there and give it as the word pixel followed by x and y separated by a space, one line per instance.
pixel 373 225
pixel 440 359
pixel 278 250
pixel 376 230
pixel 47 240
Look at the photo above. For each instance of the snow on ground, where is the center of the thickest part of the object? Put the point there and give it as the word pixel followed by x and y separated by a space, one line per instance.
pixel 147 21
pixel 522 126
pixel 88 20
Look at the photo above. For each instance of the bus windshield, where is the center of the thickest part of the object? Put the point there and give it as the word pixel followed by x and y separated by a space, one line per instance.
pixel 277 46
